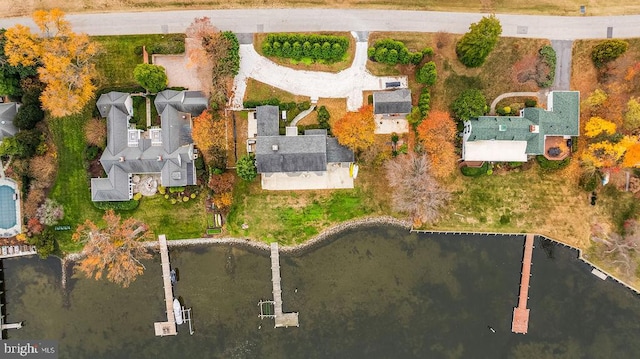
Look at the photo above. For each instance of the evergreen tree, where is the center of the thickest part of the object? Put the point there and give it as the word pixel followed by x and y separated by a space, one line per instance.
pixel 474 47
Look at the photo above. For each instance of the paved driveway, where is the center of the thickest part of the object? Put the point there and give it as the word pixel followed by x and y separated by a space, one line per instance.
pixel 348 83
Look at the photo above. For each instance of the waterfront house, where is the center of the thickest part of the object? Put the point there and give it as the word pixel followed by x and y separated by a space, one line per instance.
pixel 536 131
pixel 167 151
pixel 298 162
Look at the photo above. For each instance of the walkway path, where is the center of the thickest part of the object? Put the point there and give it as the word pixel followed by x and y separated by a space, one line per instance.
pixel 168 327
pixel 520 322
pixel 348 83
pixel 302 115
pixel 540 95
pixel 281 319
pixel 287 20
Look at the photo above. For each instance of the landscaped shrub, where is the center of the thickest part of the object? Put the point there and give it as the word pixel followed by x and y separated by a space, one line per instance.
pixel 547 56
pixel 475 171
pixel 470 104
pixel 162 190
pixel 28 116
pixel 137 196
pixel 176 189
pixel 549 165
pixel 589 181
pixel 117 206
pixel 325 48
pixel 246 168
pixel 392 52
pixel 427 74
pixel 424 103
pixel 427 51
pixel 151 77
pixel 530 102
pixel 323 117
pixel 501 111
pixel 303 106
pixel 608 50
pixel 91 152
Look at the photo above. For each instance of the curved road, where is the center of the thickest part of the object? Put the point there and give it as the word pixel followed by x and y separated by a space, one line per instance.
pixel 279 20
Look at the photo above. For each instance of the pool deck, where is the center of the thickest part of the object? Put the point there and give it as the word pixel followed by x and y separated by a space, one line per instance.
pixel 17 227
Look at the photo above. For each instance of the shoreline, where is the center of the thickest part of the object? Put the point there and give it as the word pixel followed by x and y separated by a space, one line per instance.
pixel 328 235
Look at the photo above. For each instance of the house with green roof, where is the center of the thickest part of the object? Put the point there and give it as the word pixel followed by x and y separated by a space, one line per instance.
pixel 536 131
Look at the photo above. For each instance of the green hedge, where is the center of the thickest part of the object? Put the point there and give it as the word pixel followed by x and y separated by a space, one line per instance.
pixel 475 171
pixel 547 55
pixel 549 165
pixel 327 48
pixel 393 52
pixel 424 102
pixel 117 206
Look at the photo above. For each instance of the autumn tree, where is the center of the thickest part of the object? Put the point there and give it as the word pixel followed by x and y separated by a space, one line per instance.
pixel 632 156
pixel 66 58
pixel 437 133
pixel 597 125
pixel 114 250
pixel 11 76
pixel 356 129
pixel 597 98
pixel 414 189
pixel 152 77
pixel 632 115
pixel 209 134
pixel 221 183
pixel 619 249
pixel 606 153
pixel 43 170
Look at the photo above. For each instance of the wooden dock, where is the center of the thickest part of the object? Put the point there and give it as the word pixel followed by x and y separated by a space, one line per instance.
pixel 520 322
pixel 169 327
pixel 281 319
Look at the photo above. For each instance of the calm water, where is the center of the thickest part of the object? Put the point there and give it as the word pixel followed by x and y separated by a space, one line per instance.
pixel 377 292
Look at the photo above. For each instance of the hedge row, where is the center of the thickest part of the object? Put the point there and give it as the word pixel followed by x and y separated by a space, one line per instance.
pixel 393 52
pixel 284 106
pixel 327 48
pixel 117 206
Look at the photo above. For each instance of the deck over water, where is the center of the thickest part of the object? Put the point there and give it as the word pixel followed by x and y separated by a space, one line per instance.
pixel 168 327
pixel 281 319
pixel 520 322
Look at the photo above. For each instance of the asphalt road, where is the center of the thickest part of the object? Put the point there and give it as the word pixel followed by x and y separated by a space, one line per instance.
pixel 279 20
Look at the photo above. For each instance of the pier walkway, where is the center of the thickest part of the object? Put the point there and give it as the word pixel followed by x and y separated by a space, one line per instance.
pixel 168 327
pixel 520 322
pixel 281 319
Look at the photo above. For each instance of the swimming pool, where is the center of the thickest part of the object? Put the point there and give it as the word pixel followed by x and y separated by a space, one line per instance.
pixel 9 208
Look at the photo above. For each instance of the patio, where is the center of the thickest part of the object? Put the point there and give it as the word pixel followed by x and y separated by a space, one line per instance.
pixel 555 148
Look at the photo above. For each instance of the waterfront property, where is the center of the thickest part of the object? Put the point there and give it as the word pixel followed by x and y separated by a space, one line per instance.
pixel 167 151
pixel 390 110
pixel 10 217
pixel 535 132
pixel 291 162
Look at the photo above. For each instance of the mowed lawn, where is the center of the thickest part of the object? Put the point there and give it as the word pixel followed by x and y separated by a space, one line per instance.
pixel 178 221
pixel 291 217
pixel 119 58
pixel 72 184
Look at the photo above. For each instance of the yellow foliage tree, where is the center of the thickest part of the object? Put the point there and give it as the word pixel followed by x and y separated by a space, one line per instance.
pixel 607 154
pixel 597 125
pixel 355 129
pixel 597 98
pixel 67 70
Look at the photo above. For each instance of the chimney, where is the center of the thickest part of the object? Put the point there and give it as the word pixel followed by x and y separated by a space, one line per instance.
pixel 121 159
pixel 274 147
pixel 159 158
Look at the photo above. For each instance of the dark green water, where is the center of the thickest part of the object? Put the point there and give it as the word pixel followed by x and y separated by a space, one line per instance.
pixel 376 292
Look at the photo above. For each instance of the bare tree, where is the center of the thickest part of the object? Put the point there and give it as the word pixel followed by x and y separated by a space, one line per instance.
pixel 415 190
pixel 619 250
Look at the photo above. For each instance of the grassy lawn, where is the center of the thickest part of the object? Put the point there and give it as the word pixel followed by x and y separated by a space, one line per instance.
pixel 290 217
pixel 313 66
pixel 118 59
pixel 72 184
pixel 493 78
pixel 337 108
pixel 259 91
pixel 177 221
pixel 561 7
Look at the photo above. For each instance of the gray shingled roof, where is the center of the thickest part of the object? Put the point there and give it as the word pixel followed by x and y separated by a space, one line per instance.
pixel 267 118
pixel 337 152
pixel 193 102
pixel 392 102
pixel 8 112
pixel 172 160
pixel 112 99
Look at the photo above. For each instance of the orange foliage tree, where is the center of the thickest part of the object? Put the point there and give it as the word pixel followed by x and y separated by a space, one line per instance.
pixel 68 70
pixel 437 133
pixel 209 135
pixel 116 249
pixel 355 130
pixel 632 156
